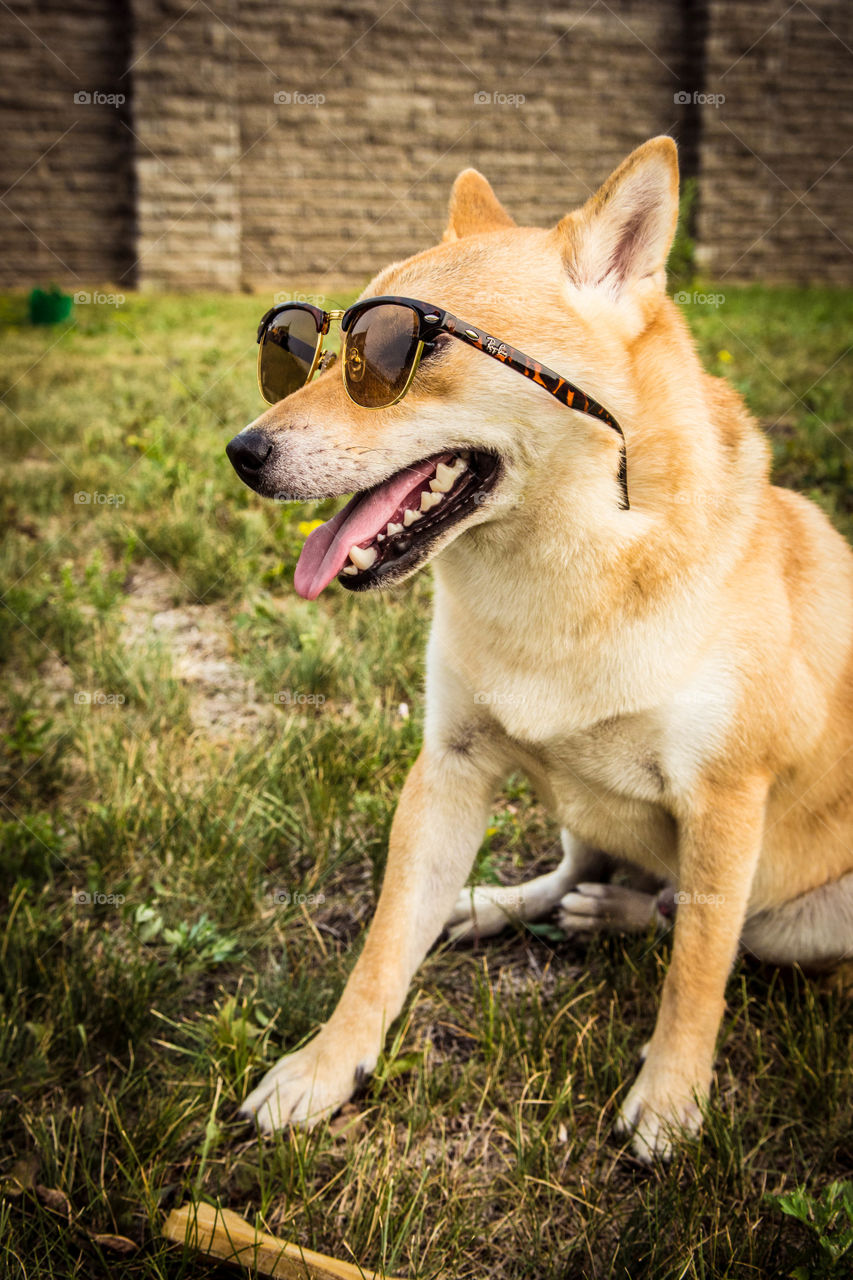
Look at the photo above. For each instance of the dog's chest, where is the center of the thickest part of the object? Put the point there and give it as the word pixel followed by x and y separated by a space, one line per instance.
pixel 619 757
pixel 616 782
pixel 570 715
pixel 613 776
pixel 608 786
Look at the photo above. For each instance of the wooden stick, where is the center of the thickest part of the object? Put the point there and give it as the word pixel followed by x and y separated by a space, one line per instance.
pixel 226 1235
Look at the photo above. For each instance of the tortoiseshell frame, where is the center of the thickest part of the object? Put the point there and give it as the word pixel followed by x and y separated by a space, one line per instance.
pixel 434 320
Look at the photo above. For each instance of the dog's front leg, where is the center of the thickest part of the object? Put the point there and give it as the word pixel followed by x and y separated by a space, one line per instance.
pixel 718 852
pixel 437 829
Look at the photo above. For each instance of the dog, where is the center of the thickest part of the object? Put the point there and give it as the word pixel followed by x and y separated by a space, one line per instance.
pixel 660 639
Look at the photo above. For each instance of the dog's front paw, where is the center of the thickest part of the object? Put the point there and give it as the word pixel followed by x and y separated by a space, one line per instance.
pixel 306 1086
pixel 663 1106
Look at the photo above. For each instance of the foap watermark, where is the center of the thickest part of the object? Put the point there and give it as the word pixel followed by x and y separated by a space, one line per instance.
pixel 498 698
pixel 507 896
pixel 82 298
pixel 82 898
pixel 702 499
pixel 700 899
pixel 295 898
pixel 686 299
pixel 697 99
pixel 293 98
pixel 84 98
pixel 507 501
pixel 496 298
pixel 484 98
pixel 94 498
pixel 98 698
pixel 311 299
pixel 293 698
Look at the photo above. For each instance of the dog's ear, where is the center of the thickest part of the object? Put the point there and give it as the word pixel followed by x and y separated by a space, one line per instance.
pixel 474 208
pixel 624 232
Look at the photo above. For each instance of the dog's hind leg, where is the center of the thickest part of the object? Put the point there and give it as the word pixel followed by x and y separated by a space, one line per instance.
pixel 814 930
pixel 615 908
pixel 484 909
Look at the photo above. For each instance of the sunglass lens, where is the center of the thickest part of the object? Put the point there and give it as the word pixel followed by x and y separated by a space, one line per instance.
pixel 380 350
pixel 288 346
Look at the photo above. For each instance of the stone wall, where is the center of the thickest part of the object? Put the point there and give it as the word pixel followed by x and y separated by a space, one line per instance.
pixel 274 147
pixel 776 155
pixel 186 139
pixel 380 108
pixel 66 171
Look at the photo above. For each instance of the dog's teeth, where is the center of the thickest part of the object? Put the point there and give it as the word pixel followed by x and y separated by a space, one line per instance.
pixel 446 474
pixel 409 517
pixel 362 557
pixel 430 500
pixel 349 569
pixel 444 477
pixel 380 537
pixel 393 528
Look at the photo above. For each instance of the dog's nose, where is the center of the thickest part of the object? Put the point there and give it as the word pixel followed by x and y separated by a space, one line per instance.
pixel 248 451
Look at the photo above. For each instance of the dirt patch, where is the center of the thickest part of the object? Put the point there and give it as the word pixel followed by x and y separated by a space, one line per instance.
pixel 223 702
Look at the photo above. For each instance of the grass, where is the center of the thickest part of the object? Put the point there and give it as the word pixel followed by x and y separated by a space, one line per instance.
pixel 197 779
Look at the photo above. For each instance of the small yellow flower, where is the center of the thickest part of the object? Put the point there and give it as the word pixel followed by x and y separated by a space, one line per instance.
pixel 725 356
pixel 491 831
pixel 308 526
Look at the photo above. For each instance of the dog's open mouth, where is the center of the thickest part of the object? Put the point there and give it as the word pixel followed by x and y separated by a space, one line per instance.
pixel 385 531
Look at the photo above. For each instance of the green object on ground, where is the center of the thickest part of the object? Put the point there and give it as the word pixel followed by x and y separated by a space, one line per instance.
pixel 49 307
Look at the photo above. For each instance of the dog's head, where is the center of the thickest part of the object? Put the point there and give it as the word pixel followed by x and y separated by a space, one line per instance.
pixel 472 442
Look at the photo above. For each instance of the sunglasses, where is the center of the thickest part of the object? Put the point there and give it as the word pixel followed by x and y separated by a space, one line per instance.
pixel 383 342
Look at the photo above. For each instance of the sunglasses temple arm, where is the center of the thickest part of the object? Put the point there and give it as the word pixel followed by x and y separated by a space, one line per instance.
pixel 566 392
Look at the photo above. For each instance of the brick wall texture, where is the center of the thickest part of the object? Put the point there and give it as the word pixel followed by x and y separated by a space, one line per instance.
pixel 236 144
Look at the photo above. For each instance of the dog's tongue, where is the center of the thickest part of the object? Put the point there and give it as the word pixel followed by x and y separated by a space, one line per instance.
pixel 326 549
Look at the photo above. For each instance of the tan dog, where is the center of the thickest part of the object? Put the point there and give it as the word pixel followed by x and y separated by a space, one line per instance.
pixel 675 678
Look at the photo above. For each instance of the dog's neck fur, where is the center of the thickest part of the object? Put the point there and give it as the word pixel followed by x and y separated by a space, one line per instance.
pixel 619 576
pixel 567 523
